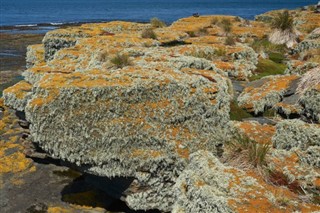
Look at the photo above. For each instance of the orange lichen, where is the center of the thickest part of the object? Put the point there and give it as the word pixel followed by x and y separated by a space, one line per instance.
pixel 260 133
pixel 142 153
pixel 19 90
pixel 273 84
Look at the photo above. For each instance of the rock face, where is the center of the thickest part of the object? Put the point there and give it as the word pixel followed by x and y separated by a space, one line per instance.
pixel 110 124
pixel 206 185
pixel 141 121
pixel 296 133
pixel 18 95
pixel 265 93
pixel 111 103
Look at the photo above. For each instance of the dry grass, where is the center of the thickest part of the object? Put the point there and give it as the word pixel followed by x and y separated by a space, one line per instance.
pixel 121 60
pixel 218 53
pixel 157 23
pixel 226 25
pixel 243 152
pixel 309 80
pixel 148 33
pixel 230 41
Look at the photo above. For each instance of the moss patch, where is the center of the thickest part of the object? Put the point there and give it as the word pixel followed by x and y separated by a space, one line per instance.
pixel 267 67
pixel 237 113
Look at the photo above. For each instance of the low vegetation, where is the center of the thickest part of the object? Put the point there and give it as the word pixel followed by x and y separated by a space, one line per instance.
pixel 157 23
pixel 226 25
pixel 148 33
pixel 263 45
pixel 246 152
pixel 214 21
pixel 283 21
pixel 209 55
pixel 121 60
pixel 230 40
pixel 237 113
pixel 267 67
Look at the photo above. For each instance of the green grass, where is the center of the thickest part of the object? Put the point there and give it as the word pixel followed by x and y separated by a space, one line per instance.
pixel 267 67
pixel 276 57
pixel 267 46
pixel 237 113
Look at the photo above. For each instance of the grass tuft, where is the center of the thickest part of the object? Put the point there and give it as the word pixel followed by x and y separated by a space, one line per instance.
pixel 226 25
pixel 283 21
pixel 157 23
pixel 245 149
pixel 121 60
pixel 148 33
pixel 230 41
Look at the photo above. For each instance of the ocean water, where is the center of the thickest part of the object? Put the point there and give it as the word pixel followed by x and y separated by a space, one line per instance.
pixel 30 12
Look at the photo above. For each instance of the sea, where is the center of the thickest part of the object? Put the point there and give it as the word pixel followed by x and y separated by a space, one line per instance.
pixel 58 12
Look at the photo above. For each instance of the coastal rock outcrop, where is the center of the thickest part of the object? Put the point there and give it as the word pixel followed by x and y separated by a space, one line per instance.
pixel 153 111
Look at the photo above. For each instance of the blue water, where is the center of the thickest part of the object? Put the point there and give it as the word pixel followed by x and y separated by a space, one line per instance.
pixel 25 12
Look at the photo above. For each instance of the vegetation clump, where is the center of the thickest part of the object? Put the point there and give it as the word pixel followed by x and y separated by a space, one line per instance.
pixel 148 33
pixel 237 113
pixel 283 21
pixel 214 21
pixel 230 41
pixel 241 148
pixel 267 67
pixel 266 46
pixel 157 23
pixel 121 60
pixel 209 55
pixel 226 25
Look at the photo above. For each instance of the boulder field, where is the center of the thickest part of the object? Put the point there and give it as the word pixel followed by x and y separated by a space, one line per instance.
pixel 158 110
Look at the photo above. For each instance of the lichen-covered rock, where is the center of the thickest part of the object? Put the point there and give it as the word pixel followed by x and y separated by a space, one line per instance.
pixel 312 156
pixel 17 96
pixel 310 102
pixel 110 124
pixel 296 133
pixel 295 166
pixel 206 185
pixel 295 67
pixel 309 90
pixel 265 93
pixel 315 34
pixel 306 45
pixel 260 133
pixel 35 55
pixel 64 38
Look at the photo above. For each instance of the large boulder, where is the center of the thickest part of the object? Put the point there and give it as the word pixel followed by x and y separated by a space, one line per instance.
pixel 132 122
